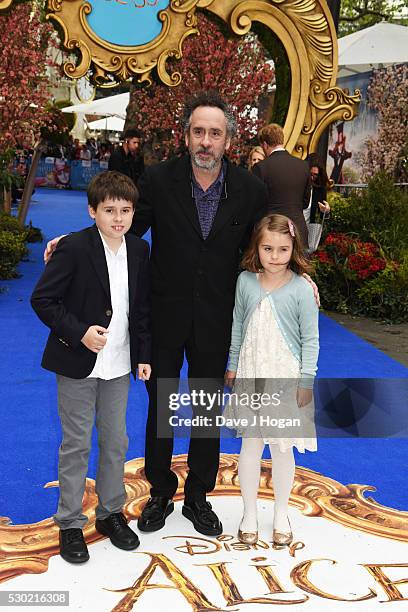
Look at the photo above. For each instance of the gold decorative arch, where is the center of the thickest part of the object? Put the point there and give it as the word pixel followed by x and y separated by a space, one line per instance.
pixel 305 28
pixel 179 21
pixel 307 32
pixel 26 549
pixel 4 4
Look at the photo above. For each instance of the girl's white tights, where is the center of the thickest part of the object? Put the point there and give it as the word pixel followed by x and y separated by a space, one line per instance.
pixel 283 474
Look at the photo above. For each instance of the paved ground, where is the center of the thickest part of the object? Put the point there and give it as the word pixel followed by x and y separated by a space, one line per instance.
pixel 391 339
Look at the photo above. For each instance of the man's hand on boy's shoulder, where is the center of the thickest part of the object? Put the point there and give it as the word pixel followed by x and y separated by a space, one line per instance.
pixel 144 371
pixel 95 338
pixel 50 248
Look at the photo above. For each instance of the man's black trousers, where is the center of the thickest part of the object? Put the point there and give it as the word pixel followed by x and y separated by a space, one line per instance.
pixel 205 371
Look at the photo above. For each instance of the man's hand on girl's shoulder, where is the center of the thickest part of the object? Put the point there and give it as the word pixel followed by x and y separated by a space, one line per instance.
pixel 314 287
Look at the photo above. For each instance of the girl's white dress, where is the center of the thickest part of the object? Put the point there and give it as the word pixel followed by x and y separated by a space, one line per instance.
pixel 267 365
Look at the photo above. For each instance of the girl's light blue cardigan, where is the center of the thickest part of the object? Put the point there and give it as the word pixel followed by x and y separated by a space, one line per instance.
pixel 296 313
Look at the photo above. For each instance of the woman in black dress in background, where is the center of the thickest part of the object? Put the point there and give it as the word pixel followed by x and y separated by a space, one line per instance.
pixel 320 185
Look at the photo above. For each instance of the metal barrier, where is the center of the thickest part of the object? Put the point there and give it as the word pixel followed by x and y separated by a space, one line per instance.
pixel 346 188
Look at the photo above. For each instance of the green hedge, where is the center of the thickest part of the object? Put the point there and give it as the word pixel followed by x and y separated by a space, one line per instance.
pixel 13 240
pixel 12 250
pixel 361 266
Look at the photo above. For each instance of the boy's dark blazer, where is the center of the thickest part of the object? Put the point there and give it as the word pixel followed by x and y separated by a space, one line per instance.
pixel 73 293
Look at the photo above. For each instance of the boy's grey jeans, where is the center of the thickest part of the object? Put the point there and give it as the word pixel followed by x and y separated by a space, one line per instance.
pixel 81 403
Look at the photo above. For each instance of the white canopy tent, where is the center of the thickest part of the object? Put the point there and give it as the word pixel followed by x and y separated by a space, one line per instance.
pixel 112 106
pixel 380 45
pixel 112 124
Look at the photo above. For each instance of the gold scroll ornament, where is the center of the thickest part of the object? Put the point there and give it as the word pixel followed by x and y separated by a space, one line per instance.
pixel 26 549
pixel 120 61
pixel 305 28
pixel 4 4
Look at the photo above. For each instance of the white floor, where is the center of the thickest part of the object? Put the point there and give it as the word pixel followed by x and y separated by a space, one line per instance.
pixel 103 583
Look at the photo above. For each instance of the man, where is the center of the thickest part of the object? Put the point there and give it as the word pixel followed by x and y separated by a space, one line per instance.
pixel 127 158
pixel 201 210
pixel 286 177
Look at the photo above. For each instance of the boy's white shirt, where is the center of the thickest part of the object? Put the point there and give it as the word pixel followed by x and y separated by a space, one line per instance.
pixel 114 359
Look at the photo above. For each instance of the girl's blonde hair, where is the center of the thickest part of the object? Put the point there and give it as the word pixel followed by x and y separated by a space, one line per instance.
pixel 282 225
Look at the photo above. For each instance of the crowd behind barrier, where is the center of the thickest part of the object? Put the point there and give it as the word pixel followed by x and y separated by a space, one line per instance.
pixel 74 166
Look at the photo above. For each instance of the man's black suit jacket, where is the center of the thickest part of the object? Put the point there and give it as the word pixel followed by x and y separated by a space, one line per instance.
pixel 193 280
pixel 73 293
pixel 126 163
pixel 287 180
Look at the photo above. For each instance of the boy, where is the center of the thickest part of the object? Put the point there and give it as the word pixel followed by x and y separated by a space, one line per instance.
pixel 94 296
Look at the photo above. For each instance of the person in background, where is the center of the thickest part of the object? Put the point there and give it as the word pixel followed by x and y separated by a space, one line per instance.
pixel 127 158
pixel 287 178
pixel 320 185
pixel 256 155
pixel 92 147
pixel 85 153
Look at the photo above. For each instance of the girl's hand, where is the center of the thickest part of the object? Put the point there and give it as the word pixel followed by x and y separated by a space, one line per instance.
pixel 304 396
pixel 229 378
pixel 144 371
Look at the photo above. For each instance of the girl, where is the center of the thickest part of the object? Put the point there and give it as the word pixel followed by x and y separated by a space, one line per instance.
pixel 274 336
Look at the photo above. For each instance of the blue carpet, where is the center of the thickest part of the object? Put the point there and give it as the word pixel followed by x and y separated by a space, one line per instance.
pixel 29 421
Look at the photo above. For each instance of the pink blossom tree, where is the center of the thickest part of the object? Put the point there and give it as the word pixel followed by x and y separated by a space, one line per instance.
pixel 24 92
pixel 24 88
pixel 388 96
pixel 235 66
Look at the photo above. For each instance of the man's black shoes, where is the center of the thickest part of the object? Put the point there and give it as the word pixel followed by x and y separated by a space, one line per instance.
pixel 202 516
pixel 154 513
pixel 116 528
pixel 72 546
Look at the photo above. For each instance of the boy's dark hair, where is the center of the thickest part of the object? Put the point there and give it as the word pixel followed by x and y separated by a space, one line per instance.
pixel 131 133
pixel 209 97
pixel 111 185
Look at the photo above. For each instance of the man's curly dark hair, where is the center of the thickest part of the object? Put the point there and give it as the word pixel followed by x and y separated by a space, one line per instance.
pixel 209 97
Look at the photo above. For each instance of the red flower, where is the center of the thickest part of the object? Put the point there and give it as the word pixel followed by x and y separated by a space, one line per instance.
pixel 365 264
pixel 323 257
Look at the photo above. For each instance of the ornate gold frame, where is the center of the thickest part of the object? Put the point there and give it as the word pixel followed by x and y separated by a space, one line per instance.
pixel 305 28
pixel 179 21
pixel 27 548
pixel 4 4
